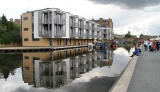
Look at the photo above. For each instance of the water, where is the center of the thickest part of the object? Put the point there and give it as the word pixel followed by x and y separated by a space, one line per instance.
pixel 74 70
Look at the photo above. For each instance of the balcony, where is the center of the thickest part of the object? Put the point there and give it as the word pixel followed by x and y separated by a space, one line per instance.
pixel 59 20
pixel 46 33
pixel 93 34
pixel 72 33
pixel 88 35
pixel 73 24
pixel 58 33
pixel 47 21
pixel 93 28
pixel 105 32
pixel 81 26
pixel 87 27
pixel 80 34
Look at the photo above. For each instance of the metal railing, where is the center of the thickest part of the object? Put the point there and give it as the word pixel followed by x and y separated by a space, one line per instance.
pixel 46 33
pixel 72 33
pixel 59 20
pixel 81 34
pixel 73 24
pixel 87 35
pixel 58 33
pixel 47 21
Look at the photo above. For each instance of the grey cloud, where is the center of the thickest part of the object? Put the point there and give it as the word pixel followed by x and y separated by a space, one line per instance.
pixel 132 4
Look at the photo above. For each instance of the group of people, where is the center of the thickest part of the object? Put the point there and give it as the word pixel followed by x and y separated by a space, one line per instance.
pixel 151 45
pixel 148 45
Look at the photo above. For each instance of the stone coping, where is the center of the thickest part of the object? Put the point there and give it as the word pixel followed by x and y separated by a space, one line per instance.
pixel 123 82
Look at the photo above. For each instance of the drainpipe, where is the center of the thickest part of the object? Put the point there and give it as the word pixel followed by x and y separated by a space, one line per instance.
pixel 51 42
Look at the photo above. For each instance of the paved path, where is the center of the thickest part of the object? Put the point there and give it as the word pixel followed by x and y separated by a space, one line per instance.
pixel 146 77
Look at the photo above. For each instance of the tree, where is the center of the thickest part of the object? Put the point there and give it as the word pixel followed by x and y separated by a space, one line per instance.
pixel 128 35
pixel 9 32
pixel 141 36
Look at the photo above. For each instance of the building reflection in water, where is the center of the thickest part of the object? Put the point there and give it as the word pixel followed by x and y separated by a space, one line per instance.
pixel 55 69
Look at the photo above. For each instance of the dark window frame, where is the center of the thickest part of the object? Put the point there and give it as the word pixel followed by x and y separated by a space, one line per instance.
pixel 26 57
pixel 34 39
pixel 25 29
pixel 26 68
pixel 25 18
pixel 25 39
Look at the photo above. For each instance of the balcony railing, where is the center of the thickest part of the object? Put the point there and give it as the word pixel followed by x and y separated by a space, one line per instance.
pixel 72 33
pixel 88 27
pixel 46 33
pixel 80 34
pixel 47 21
pixel 73 24
pixel 58 20
pixel 81 26
pixel 93 28
pixel 93 35
pixel 88 35
pixel 58 33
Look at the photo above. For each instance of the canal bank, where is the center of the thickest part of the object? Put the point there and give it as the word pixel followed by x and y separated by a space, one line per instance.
pixel 126 81
pixel 32 49
pixel 122 84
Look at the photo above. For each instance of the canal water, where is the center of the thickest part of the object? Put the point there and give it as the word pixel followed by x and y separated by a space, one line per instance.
pixel 76 70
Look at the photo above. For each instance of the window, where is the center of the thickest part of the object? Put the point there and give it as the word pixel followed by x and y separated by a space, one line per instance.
pixel 105 35
pixel 70 42
pixel 34 39
pixel 26 68
pixel 26 57
pixel 25 39
pixel 25 18
pixel 25 29
pixel 36 58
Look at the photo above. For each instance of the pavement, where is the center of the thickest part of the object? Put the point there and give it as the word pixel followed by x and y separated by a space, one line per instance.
pixel 146 76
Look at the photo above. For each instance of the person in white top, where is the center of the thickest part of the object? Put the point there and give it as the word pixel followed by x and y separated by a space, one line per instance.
pixel 146 45
pixel 151 46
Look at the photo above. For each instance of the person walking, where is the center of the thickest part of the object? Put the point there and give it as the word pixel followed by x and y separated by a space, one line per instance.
pixel 146 45
pixel 157 46
pixel 150 46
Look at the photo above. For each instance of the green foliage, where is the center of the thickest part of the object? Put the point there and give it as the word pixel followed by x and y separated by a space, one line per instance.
pixel 128 35
pixel 8 63
pixel 9 32
pixel 141 36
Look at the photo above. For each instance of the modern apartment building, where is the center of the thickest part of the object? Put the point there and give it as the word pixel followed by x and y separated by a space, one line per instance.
pixel 54 27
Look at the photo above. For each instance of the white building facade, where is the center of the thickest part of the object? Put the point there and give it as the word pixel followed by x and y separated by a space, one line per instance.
pixel 55 23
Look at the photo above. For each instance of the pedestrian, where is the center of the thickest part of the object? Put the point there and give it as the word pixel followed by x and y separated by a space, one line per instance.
pixel 155 47
pixel 146 45
pixel 150 46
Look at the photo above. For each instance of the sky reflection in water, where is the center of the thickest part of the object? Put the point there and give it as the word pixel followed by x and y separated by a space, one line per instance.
pixel 78 71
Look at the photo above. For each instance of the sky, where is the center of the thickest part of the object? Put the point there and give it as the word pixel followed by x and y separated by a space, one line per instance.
pixel 137 16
